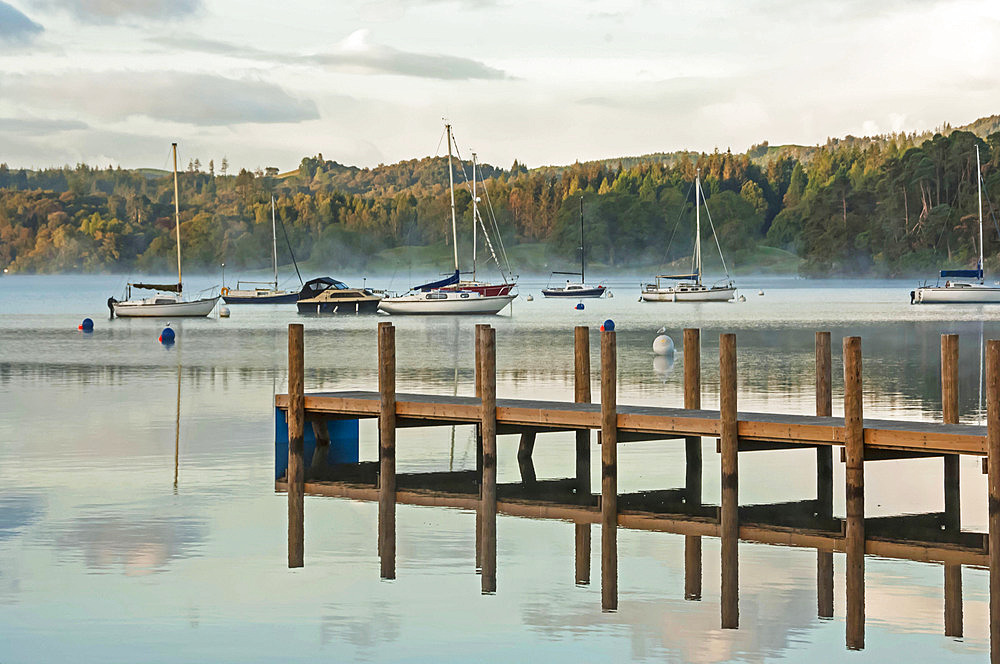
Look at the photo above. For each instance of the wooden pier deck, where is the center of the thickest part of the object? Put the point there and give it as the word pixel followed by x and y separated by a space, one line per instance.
pixel 647 422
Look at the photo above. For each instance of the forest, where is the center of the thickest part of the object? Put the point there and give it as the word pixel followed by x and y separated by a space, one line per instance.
pixel 901 204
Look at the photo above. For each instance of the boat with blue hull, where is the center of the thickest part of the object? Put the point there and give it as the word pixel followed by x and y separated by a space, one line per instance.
pixel 580 289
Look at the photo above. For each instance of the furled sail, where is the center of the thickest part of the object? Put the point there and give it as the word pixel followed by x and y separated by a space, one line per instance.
pixel 453 279
pixel 172 288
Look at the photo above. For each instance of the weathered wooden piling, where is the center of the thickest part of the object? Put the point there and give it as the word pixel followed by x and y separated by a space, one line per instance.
pixel 729 526
pixel 488 487
pixel 581 394
pixel 296 431
pixel 478 379
pixel 952 484
pixel 855 493
pixel 387 449
pixel 993 486
pixel 609 472
pixel 824 473
pixel 693 461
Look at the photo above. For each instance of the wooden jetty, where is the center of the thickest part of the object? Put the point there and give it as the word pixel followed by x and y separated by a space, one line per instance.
pixel 932 538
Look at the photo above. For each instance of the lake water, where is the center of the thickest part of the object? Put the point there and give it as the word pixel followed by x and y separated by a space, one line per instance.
pixel 139 520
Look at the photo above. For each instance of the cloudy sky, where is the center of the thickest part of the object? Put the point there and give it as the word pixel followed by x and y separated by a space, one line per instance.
pixel 369 81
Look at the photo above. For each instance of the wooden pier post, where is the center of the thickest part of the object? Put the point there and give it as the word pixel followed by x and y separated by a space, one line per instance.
pixel 477 345
pixel 581 394
pixel 855 493
pixel 952 484
pixel 824 473
pixel 693 461
pixel 296 431
pixel 609 472
pixel 993 484
pixel 729 526
pixel 524 463
pixel 488 487
pixel 387 449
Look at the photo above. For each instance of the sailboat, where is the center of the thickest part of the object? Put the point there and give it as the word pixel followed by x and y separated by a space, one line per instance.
pixel 689 287
pixel 169 301
pixel 580 289
pixel 961 292
pixel 445 296
pixel 264 295
pixel 474 285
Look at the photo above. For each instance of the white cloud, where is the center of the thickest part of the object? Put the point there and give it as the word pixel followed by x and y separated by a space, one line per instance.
pixel 113 11
pixel 15 27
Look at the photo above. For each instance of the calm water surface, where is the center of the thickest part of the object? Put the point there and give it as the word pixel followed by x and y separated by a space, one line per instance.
pixel 139 522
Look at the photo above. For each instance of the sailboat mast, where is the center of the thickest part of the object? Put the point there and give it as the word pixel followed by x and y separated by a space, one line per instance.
pixel 583 247
pixel 274 245
pixel 475 216
pixel 451 186
pixel 979 184
pixel 697 225
pixel 177 219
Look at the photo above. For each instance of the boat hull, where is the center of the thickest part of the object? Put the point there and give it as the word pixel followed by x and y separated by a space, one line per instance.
pixel 671 295
pixel 409 305
pixel 597 291
pixel 955 295
pixel 269 298
pixel 194 309
pixel 366 306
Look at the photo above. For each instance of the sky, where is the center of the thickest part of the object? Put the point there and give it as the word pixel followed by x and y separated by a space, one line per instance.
pixel 365 82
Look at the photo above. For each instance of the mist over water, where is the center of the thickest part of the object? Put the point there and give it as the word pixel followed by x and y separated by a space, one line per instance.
pixel 138 518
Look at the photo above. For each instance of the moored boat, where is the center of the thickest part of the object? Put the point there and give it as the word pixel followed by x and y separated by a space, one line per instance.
pixel 259 294
pixel 325 295
pixel 169 301
pixel 961 292
pixel 580 289
pixel 689 287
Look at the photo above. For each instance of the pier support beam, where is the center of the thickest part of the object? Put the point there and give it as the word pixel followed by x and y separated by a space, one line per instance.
pixel 692 455
pixel 952 484
pixel 387 449
pixel 729 527
pixel 296 432
pixel 824 473
pixel 993 484
pixel 609 472
pixel 855 492
pixel 581 394
pixel 488 487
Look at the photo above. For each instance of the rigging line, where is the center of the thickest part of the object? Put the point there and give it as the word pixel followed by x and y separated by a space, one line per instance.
pixel 496 226
pixel 290 252
pixel 717 245
pixel 680 213
pixel 486 235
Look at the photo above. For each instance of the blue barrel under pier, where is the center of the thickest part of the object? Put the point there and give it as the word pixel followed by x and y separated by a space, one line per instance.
pixel 344 442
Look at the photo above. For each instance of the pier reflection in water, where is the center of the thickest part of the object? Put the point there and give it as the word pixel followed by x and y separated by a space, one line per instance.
pixel 928 537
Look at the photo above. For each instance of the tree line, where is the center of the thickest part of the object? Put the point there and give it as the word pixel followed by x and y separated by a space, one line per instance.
pixel 890 205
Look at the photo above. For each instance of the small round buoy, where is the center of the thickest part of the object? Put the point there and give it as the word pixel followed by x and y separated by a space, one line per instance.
pixel 609 293
pixel 223 311
pixel 529 298
pixel 663 345
pixel 760 292
pixel 87 325
pixel 608 326
pixel 167 335
pixel 579 306
pixel 741 298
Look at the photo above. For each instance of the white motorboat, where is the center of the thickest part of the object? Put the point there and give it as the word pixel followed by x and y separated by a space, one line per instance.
pixel 436 302
pixel 962 292
pixel 689 287
pixel 447 296
pixel 169 302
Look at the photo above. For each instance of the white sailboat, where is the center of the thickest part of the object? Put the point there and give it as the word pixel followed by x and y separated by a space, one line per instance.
pixel 446 296
pixel 169 301
pixel 962 292
pixel 260 295
pixel 689 287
